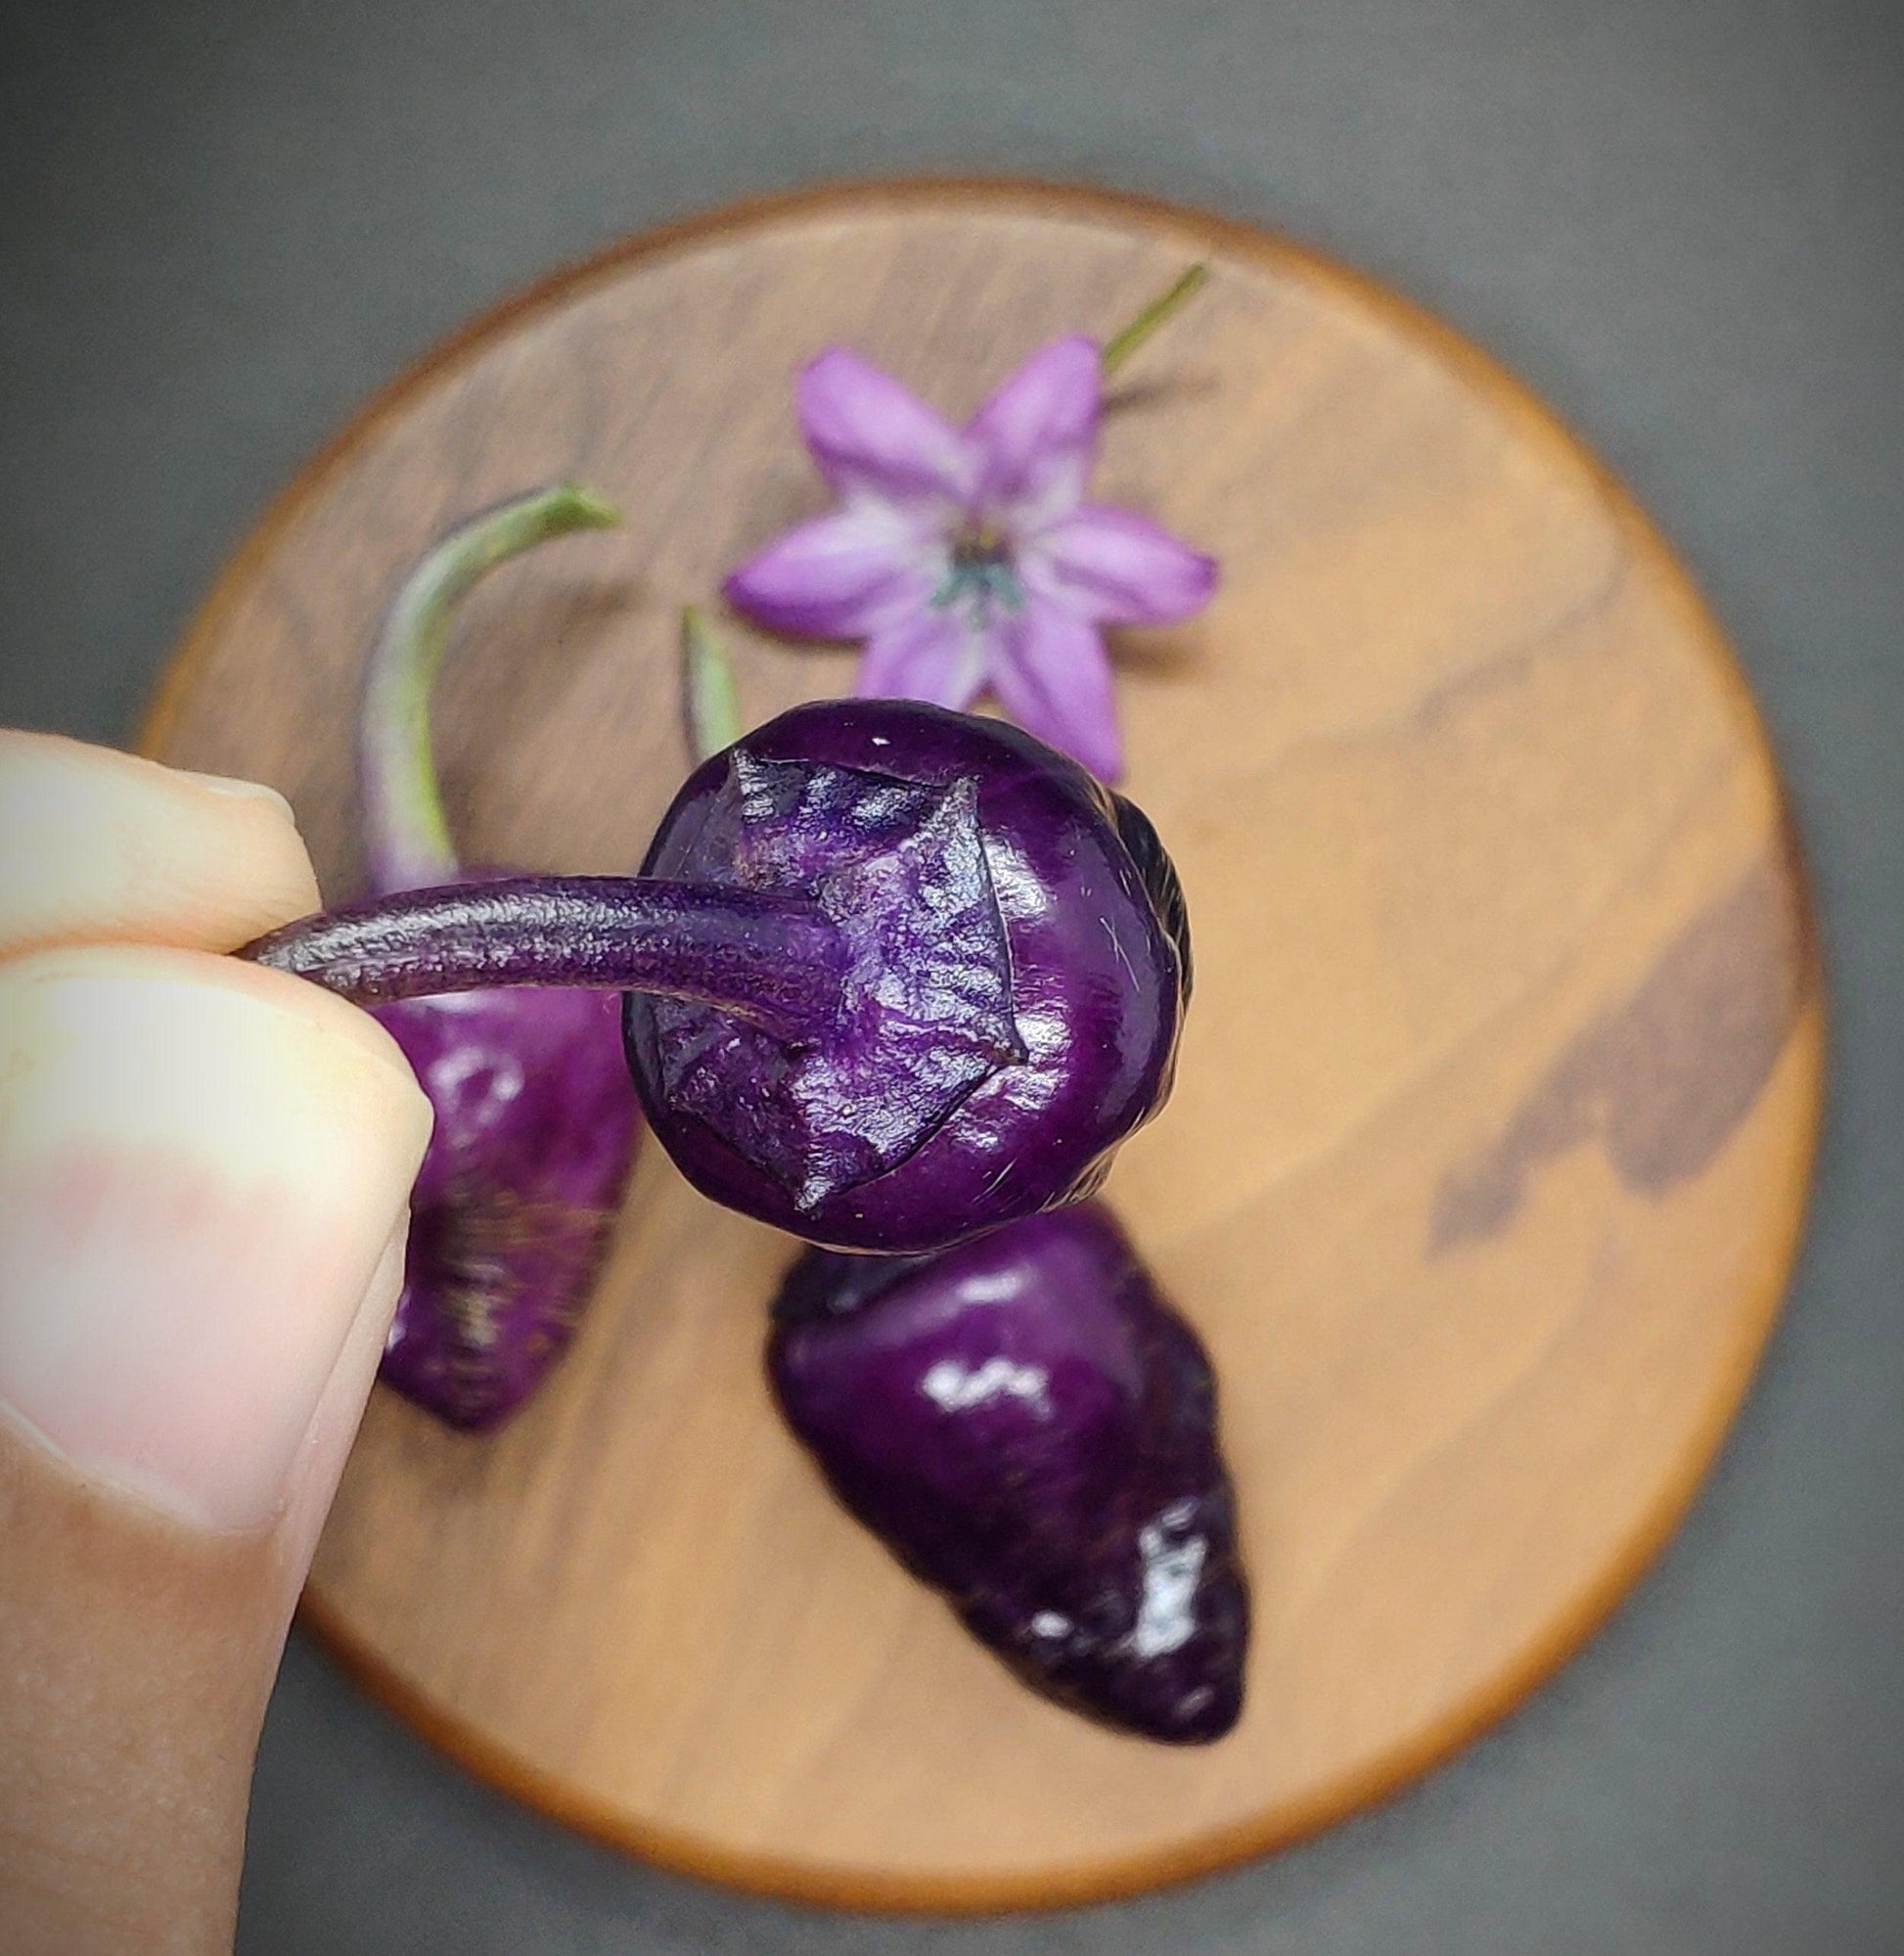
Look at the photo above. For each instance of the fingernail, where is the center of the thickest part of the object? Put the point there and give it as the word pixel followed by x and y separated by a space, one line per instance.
pixel 239 790
pixel 199 1176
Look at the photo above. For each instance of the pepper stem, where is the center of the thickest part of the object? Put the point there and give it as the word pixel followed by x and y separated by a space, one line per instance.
pixel 406 834
pixel 707 695
pixel 1132 334
pixel 768 957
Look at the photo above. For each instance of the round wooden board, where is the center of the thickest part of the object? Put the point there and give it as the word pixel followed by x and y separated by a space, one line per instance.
pixel 1488 1159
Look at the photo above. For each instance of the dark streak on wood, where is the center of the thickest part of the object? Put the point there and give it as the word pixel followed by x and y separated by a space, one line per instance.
pixel 1664 1077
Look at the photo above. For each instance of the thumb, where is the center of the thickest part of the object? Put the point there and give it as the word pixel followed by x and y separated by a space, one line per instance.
pixel 204 1178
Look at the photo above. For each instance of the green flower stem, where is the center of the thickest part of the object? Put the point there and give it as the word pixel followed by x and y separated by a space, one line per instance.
pixel 1123 343
pixel 405 832
pixel 711 704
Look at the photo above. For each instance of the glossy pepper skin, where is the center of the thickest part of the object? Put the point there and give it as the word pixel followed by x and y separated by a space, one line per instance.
pixel 1031 1429
pixel 536 1128
pixel 1065 924
pixel 509 1218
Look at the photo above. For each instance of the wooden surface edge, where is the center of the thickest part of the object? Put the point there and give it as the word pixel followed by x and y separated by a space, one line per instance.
pixel 830 1884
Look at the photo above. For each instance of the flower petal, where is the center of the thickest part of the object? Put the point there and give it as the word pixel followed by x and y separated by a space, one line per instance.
pixel 934 655
pixel 1037 436
pixel 1051 675
pixel 1117 568
pixel 839 576
pixel 872 436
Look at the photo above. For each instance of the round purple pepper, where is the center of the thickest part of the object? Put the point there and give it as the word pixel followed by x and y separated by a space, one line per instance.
pixel 1025 966
pixel 1031 1429
pixel 897 975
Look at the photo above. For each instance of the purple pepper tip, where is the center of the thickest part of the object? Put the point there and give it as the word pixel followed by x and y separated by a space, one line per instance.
pixel 536 1128
pixel 1029 1426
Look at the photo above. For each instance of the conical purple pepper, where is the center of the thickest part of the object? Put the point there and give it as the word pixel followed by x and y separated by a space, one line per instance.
pixel 535 1127
pixel 895 975
pixel 1031 1429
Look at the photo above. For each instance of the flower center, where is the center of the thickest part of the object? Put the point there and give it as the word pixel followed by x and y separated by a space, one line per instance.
pixel 979 572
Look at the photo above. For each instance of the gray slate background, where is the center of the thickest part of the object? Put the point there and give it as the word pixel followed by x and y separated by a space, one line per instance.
pixel 223 221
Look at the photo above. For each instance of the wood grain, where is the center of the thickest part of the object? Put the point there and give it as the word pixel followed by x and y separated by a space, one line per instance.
pixel 1496 1113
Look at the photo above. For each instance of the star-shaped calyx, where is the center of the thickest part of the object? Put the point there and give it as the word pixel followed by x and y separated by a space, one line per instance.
pixel 899 868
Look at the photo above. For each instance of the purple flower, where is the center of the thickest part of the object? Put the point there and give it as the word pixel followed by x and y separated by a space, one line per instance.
pixel 970 561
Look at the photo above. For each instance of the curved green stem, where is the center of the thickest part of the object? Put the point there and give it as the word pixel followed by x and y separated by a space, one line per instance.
pixel 405 832
pixel 1132 334
pixel 709 699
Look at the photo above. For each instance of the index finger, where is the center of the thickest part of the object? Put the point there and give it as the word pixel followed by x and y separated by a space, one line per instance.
pixel 102 847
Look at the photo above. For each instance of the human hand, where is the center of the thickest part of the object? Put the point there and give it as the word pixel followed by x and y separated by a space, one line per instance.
pixel 205 1172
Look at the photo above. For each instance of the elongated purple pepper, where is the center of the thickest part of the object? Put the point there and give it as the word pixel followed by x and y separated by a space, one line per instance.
pixel 895 975
pixel 536 1127
pixel 1031 1429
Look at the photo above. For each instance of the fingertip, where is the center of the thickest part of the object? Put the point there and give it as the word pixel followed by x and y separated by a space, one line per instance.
pixel 202 1168
pixel 98 847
